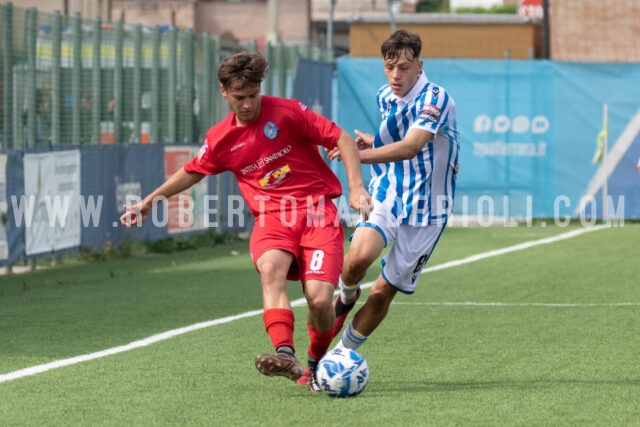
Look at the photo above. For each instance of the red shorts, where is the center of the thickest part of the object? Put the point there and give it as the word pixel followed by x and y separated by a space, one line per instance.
pixel 315 239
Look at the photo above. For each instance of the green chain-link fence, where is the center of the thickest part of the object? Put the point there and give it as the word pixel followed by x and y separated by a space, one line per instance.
pixel 65 80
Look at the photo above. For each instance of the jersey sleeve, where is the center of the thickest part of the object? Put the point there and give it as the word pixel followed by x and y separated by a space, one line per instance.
pixel 316 128
pixel 204 162
pixel 433 110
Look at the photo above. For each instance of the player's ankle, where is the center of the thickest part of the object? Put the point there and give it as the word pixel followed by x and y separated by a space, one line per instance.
pixel 348 293
pixel 350 297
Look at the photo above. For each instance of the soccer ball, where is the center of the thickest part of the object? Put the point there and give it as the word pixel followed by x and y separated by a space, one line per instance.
pixel 342 372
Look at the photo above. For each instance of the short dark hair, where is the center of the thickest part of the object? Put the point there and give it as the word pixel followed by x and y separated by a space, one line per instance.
pixel 244 69
pixel 401 40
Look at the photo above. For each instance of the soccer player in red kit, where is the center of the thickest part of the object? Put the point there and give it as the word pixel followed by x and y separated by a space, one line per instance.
pixel 272 147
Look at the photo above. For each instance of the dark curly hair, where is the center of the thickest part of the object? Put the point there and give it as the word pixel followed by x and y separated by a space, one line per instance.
pixel 400 41
pixel 242 69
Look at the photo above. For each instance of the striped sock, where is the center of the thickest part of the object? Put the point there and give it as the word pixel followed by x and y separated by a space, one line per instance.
pixel 352 338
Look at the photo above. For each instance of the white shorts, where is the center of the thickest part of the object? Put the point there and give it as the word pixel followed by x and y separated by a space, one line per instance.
pixel 411 247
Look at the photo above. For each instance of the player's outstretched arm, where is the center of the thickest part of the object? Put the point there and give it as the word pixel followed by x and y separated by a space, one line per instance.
pixel 359 198
pixel 179 181
pixel 406 149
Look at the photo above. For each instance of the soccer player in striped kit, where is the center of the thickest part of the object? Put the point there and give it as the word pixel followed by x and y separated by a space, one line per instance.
pixel 414 163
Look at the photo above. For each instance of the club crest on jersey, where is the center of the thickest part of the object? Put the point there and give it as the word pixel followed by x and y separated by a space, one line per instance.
pixel 430 112
pixel 270 130
pixel 275 177
pixel 203 149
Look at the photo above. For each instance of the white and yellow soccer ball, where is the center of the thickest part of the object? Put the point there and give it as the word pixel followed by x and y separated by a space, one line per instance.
pixel 342 372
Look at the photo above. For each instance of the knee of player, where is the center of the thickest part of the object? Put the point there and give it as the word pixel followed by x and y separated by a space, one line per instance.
pixel 319 303
pixel 379 300
pixel 358 262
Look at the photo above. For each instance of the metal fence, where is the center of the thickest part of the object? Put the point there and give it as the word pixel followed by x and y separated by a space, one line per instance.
pixel 88 86
pixel 65 80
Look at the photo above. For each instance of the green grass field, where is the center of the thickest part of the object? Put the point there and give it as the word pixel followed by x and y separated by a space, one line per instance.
pixel 544 335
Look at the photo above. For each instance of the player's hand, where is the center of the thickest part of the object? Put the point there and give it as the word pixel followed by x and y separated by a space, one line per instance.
pixel 334 154
pixel 135 214
pixel 360 200
pixel 364 140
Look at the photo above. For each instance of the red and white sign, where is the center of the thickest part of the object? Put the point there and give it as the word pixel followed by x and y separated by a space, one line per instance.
pixel 531 8
pixel 186 210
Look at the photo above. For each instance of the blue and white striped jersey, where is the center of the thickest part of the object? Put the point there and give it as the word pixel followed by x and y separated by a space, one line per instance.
pixel 418 191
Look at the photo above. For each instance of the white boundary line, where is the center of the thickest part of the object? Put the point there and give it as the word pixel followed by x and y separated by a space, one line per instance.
pixel 519 304
pixel 33 370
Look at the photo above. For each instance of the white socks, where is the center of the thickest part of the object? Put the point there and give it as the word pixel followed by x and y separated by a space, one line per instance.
pixel 348 293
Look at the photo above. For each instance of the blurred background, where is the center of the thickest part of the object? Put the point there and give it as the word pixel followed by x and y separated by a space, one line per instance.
pixel 101 99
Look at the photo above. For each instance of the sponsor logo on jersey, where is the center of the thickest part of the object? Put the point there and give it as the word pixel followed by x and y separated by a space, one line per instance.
pixel 203 149
pixel 263 161
pixel 430 112
pixel 302 106
pixel 275 177
pixel 270 130
pixel 235 147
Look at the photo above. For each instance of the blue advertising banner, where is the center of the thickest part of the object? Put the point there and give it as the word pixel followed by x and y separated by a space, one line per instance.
pixel 51 193
pixel 528 133
pixel 14 222
pixel 110 174
pixel 312 85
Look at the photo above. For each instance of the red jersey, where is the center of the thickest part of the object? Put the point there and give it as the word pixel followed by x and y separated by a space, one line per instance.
pixel 275 157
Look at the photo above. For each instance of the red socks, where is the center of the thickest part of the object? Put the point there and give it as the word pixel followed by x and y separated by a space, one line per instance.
pixel 320 342
pixel 278 323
